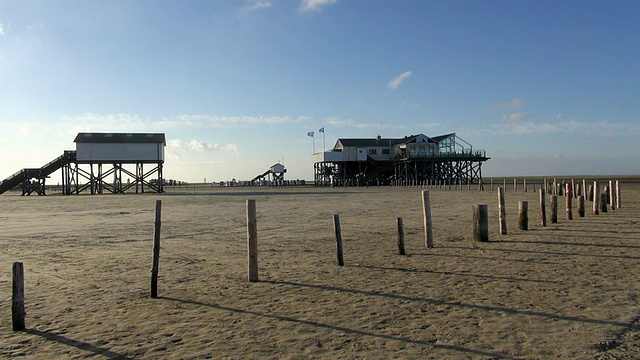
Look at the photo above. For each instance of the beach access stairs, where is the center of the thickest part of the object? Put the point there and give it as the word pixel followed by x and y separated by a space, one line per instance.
pixel 32 179
pixel 262 176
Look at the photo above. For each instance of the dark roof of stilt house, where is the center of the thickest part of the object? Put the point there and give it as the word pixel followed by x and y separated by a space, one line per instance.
pixel 360 142
pixel 121 138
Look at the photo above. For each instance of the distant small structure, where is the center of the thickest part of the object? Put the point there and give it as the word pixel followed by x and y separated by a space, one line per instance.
pixel 273 176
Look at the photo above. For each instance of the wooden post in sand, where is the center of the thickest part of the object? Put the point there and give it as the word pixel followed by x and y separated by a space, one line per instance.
pixel 338 230
pixel 17 298
pixel 156 250
pixel 502 213
pixel 515 185
pixel 612 194
pixel 618 201
pixel 581 206
pixel 523 216
pixel 603 202
pixel 543 210
pixel 252 240
pixel 480 223
pixel 596 198
pixel 584 189
pixel 568 197
pixel 491 184
pixel 400 236
pixel 554 209
pixel 426 209
pixel 573 188
pixel 524 184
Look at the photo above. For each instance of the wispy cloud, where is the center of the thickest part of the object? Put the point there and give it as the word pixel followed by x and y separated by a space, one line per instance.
pixel 201 146
pixel 131 122
pixel 515 117
pixel 557 156
pixel 601 128
pixel 359 125
pixel 513 104
pixel 395 82
pixel 177 149
pixel 2 29
pixel 314 5
pixel 255 6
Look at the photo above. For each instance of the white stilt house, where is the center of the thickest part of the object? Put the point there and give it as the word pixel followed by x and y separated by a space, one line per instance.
pixel 120 152
pixel 412 159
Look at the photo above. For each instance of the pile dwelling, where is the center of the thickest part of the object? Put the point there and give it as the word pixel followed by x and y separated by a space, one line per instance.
pixel 98 164
pixel 412 160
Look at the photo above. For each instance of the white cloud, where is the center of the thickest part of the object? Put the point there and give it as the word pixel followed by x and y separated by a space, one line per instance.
pixel 201 146
pixel 255 5
pixel 2 30
pixel 174 148
pixel 592 129
pixel 314 5
pixel 358 125
pixel 515 117
pixel 513 104
pixel 393 84
pixel 131 122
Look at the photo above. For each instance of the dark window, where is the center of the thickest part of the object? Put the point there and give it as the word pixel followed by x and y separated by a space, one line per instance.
pixel 385 151
pixel 373 151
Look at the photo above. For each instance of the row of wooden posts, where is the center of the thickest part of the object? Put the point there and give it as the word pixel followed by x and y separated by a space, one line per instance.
pixel 600 201
pixel 610 195
pixel 554 187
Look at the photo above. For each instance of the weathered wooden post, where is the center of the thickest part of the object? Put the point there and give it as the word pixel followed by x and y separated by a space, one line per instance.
pixel 523 216
pixel 428 231
pixel 17 298
pixel 502 213
pixel 554 209
pixel 603 202
pixel 612 194
pixel 568 197
pixel 491 184
pixel 581 206
pixel 573 188
pixel 545 185
pixel 504 183
pixel 596 198
pixel 252 241
pixel 338 230
pixel 400 236
pixel 584 189
pixel 543 210
pixel 156 250
pixel 515 185
pixel 480 223
pixel 524 184
pixel 618 201
pixel 555 186
pixel 590 193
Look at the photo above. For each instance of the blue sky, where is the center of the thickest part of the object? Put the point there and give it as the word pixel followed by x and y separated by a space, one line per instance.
pixel 545 87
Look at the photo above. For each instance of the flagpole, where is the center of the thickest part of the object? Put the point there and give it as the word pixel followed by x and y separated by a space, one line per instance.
pixel 323 145
pixel 313 137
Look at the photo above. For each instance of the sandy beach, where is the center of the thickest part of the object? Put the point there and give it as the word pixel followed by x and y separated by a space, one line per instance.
pixel 568 290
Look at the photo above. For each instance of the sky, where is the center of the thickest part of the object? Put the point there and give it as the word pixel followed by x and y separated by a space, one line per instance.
pixel 545 87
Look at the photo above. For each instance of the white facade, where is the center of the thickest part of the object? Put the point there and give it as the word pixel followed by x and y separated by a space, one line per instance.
pixel 101 152
pixel 120 148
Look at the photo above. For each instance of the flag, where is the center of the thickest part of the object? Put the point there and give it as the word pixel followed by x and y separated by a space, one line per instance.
pixel 310 133
pixel 321 129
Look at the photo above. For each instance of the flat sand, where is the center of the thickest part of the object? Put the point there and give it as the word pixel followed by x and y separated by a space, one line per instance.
pixel 568 290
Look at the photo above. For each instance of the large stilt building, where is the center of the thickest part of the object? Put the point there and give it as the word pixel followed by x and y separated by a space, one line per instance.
pixel 98 165
pixel 415 159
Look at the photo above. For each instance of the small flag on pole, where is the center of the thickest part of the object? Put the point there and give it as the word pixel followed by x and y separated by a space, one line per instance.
pixel 310 133
pixel 321 130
